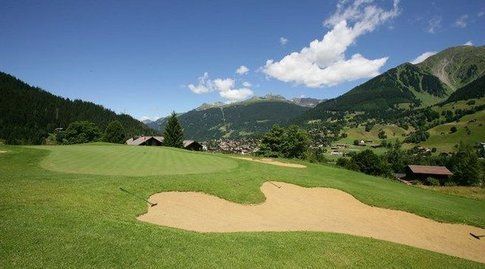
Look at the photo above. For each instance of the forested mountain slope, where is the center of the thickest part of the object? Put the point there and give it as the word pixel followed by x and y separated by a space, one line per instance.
pixel 409 86
pixel 236 120
pixel 28 114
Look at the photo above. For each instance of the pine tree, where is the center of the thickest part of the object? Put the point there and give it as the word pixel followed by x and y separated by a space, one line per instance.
pixel 173 134
pixel 115 133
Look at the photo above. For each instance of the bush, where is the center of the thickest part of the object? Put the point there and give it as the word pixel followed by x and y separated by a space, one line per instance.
pixel 291 142
pixel 79 132
pixel 114 133
pixel 367 162
pixel 316 155
pixel 465 165
pixel 453 129
pixel 431 182
pixel 382 134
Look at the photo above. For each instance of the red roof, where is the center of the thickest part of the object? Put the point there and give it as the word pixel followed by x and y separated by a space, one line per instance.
pixel 430 170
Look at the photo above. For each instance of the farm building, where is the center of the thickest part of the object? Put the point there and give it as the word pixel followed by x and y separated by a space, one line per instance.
pixel 192 145
pixel 422 172
pixel 158 141
pixel 145 141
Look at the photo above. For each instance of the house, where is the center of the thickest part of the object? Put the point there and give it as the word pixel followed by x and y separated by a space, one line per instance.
pixel 192 145
pixel 145 141
pixel 422 172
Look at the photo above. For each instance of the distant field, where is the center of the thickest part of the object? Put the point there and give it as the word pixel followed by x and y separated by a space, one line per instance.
pixel 393 132
pixel 78 218
pixel 442 138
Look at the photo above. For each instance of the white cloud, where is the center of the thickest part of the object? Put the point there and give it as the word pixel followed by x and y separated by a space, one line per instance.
pixel 323 62
pixel 283 40
pixel 236 94
pixel 461 22
pixel 423 57
pixel 242 70
pixel 468 43
pixel 204 85
pixel 434 24
pixel 225 87
pixel 481 13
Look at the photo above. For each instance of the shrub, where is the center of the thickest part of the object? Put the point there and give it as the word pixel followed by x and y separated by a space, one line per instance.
pixel 453 129
pixel 79 132
pixel 430 181
pixel 291 142
pixel 465 165
pixel 114 133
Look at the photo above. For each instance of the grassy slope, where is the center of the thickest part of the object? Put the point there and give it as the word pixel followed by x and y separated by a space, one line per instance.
pixel 393 132
pixel 444 140
pixel 51 219
pixel 132 161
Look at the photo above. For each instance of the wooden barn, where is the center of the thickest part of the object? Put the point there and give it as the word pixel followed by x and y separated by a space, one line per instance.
pixel 145 141
pixel 192 145
pixel 422 172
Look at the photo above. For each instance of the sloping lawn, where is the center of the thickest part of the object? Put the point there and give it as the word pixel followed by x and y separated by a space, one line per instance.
pixel 78 218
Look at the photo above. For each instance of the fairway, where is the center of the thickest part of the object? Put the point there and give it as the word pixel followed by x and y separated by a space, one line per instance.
pixel 99 159
pixel 77 211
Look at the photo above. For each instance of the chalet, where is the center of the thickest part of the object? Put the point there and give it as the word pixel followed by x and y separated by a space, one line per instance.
pixel 422 172
pixel 145 141
pixel 192 145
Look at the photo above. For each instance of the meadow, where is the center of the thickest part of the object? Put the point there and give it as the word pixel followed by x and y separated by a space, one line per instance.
pixel 61 207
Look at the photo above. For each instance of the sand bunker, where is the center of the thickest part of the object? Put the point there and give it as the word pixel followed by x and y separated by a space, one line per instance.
pixel 271 161
pixel 292 208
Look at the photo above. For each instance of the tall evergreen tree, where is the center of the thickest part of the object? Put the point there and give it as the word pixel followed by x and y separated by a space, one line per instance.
pixel 173 134
pixel 115 133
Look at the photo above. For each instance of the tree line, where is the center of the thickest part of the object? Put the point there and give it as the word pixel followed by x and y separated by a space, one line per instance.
pixel 28 114
pixel 294 142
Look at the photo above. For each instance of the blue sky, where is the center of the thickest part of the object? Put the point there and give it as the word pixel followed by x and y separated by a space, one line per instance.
pixel 147 58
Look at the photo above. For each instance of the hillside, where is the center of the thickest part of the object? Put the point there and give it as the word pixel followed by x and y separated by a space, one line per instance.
pixel 410 86
pixel 246 118
pixel 456 66
pixel 475 89
pixel 28 114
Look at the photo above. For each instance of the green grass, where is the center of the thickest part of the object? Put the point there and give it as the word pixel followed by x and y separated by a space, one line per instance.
pixel 132 161
pixel 465 191
pixel 442 139
pixel 54 219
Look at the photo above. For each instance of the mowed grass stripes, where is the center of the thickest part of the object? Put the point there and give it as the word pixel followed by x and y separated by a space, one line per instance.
pixel 100 159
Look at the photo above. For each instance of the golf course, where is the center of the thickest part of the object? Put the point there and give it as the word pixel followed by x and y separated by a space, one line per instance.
pixel 61 206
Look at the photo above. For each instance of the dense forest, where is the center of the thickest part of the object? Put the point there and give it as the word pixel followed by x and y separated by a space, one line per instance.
pixel 28 114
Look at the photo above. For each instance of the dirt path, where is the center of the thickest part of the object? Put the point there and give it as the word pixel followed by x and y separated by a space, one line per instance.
pixel 271 161
pixel 3 151
pixel 294 208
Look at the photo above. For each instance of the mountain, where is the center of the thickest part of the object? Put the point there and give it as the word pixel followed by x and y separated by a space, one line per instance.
pixel 28 114
pixel 306 101
pixel 474 89
pixel 456 66
pixel 411 86
pixel 249 117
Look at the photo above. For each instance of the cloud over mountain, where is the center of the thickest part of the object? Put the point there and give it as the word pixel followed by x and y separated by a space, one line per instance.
pixel 323 62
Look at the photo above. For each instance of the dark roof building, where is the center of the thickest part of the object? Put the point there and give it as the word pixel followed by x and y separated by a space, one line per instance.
pixel 192 145
pixel 422 172
pixel 145 141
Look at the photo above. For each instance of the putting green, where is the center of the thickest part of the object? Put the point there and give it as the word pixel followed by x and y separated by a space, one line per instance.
pixel 103 159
